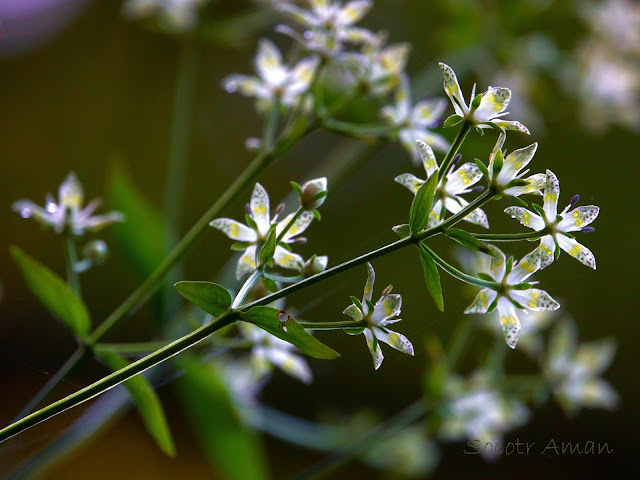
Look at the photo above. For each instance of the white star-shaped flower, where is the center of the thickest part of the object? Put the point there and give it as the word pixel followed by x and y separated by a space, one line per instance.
pixel 276 82
pixel 457 182
pixel 558 226
pixel 250 237
pixel 414 122
pixel 68 212
pixel 510 294
pixel 378 317
pixel 486 112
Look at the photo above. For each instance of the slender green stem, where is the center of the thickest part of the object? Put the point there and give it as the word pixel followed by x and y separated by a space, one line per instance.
pixel 459 340
pixel 455 146
pixel 358 130
pixel 62 372
pixel 118 377
pixel 509 237
pixel 333 325
pixel 177 159
pixel 454 272
pixel 271 126
pixel 71 258
pixel 289 224
pixel 246 288
pixel 129 348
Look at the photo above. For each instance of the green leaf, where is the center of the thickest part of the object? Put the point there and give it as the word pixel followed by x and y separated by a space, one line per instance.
pixel 53 293
pixel 146 401
pixel 269 284
pixel 402 230
pixel 234 451
pixel 289 331
pixel 139 237
pixel 432 277
pixel 452 120
pixel 210 297
pixel 421 206
pixel 269 248
pixel 466 239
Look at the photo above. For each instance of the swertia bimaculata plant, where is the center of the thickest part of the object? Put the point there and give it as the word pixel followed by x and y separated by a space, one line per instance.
pixel 296 99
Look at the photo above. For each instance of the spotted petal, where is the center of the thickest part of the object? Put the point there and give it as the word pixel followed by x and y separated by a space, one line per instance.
pixel 576 250
pixel 452 89
pixel 497 267
pixel 551 195
pixel 386 308
pixel 464 177
pixel 287 259
pixel 509 321
pixel 259 206
pixel 234 230
pixel 409 181
pixel 535 299
pixel 477 217
pixel 526 217
pixel 246 263
pixel 394 340
pixel 354 312
pixel 514 162
pixel 427 112
pixel 578 218
pixel 299 226
pixel 511 125
pixel 547 250
pixel 429 161
pixel 482 302
pixel 368 287
pixel 526 267
pixel 494 101
pixel 374 348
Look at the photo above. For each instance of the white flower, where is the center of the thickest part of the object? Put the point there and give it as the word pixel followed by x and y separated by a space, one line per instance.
pixel 510 294
pixel 474 411
pixel 457 182
pixel 315 265
pixel 506 175
pixel 378 317
pixel 485 113
pixel 414 122
pixel 271 351
pixel 314 193
pixel 250 237
pixel 558 226
pixel 574 370
pixel 276 82
pixel 181 15
pixel 328 24
pixel 67 213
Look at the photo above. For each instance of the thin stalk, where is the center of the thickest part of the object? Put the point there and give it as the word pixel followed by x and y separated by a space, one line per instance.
pixel 271 126
pixel 246 288
pixel 358 130
pixel 509 237
pixel 333 325
pixel 455 146
pixel 459 339
pixel 71 258
pixel 178 156
pixel 118 377
pixel 288 226
pixel 455 273
pixel 129 348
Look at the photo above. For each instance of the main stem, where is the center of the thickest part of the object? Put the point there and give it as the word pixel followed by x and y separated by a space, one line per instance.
pixel 71 258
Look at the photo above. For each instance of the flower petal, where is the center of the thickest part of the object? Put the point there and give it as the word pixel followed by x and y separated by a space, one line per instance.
pixel 290 363
pixel 354 312
pixel 386 308
pixel 547 249
pixel 70 193
pixel 368 287
pixel 578 218
pixel 287 259
pixel 28 209
pixel 376 352
pixel 576 250
pixel 234 230
pixel 246 85
pixel 299 226
pixel 464 177
pixel 534 299
pixel 394 340
pixel 302 75
pixel 477 217
pixel 427 112
pixel 526 267
pixel 483 300
pixel 246 263
pixel 452 89
pixel 596 357
pixel 494 101
pixel 497 267
pixel 429 161
pixel 409 181
pixel 433 140
pixel 353 11
pixel 515 162
pixel 298 14
pixel 526 217
pixel 509 321
pixel 511 125
pixel 268 59
pixel 259 206
pixel 551 195
pixel 534 186
pixel 98 222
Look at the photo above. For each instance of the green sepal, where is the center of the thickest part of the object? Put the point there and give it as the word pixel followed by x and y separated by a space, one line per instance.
pixel 354 331
pixel 521 201
pixel 568 235
pixel 251 223
pixel 240 246
pixel 508 267
pixel 432 277
pixel 467 240
pixel 452 120
pixel 402 230
pixel 422 203
pixel 321 194
pixel 522 286
pixel 296 187
pixel 479 131
pixel 269 248
pixel 498 161
pixel 475 103
pixel 493 306
pixel 316 214
pixel 269 284
pixel 483 168
pixel 289 331
pixel 357 303
pixel 517 182
pixel 539 210
pixel 495 127
pixel 485 276
pixel 370 305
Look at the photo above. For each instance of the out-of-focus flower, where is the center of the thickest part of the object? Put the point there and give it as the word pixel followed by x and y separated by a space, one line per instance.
pixel 617 22
pixel 510 294
pixel 328 25
pixel 574 370
pixel 530 338
pixel 316 264
pixel 457 182
pixel 178 15
pixel 378 317
pixel 276 82
pixel 506 175
pixel 249 237
pixel 269 351
pixel 558 226
pixel 67 213
pixel 414 122
pixel 484 110
pixel 476 412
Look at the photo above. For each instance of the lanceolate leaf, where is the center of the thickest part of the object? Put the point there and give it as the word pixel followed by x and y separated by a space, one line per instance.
pixel 432 277
pixel 210 297
pixel 288 330
pixel 234 451
pixel 146 401
pixel 468 240
pixel 53 293
pixel 421 206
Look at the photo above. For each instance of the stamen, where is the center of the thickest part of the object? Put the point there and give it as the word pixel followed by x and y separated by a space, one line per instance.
pixel 280 209
pixel 478 188
pixel 455 161
pixel 387 290
pixel 574 200
pixel 587 229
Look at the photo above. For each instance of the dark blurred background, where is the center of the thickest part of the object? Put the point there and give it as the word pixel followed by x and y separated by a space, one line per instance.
pixel 97 88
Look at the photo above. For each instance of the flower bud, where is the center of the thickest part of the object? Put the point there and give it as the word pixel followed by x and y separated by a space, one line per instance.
pixel 96 251
pixel 315 265
pixel 314 193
